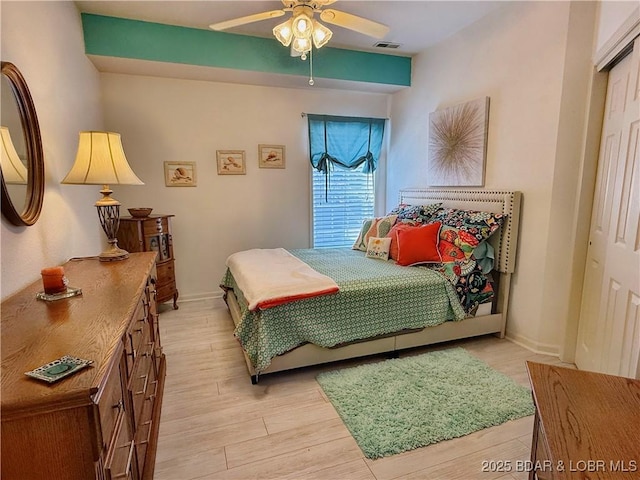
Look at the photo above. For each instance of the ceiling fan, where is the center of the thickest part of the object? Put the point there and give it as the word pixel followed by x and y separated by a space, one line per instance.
pixel 302 30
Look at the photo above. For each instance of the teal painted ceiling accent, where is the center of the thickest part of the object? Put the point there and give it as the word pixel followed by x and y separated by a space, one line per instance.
pixel 135 39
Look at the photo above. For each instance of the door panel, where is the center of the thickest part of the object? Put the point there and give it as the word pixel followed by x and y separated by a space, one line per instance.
pixel 609 331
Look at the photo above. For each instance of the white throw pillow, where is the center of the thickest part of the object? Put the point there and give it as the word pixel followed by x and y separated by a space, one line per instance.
pixel 378 248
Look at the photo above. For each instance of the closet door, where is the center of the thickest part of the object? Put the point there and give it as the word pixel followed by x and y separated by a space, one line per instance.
pixel 609 331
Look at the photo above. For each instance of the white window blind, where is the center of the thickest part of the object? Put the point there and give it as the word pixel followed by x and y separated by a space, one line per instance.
pixel 338 216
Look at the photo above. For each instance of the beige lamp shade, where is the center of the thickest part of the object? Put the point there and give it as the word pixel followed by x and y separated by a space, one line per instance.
pixel 13 170
pixel 101 161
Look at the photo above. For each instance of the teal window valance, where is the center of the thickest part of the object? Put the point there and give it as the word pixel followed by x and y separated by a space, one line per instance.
pixel 346 142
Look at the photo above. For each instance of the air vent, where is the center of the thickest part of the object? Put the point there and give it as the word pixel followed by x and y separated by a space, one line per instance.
pixel 386 45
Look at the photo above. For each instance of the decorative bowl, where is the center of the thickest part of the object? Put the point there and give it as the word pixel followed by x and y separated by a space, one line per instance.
pixel 140 212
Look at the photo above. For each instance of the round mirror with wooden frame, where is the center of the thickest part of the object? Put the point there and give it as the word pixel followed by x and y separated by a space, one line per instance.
pixel 18 210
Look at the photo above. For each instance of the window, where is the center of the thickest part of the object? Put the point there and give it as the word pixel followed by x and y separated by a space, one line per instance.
pixel 337 218
pixel 344 152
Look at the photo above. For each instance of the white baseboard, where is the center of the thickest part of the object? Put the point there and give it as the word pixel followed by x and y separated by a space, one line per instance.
pixel 535 347
pixel 199 296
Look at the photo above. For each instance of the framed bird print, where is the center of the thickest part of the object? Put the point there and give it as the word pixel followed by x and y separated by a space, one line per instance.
pixel 231 162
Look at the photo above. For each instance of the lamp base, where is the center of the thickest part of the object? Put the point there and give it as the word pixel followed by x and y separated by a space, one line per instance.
pixel 113 254
pixel 109 214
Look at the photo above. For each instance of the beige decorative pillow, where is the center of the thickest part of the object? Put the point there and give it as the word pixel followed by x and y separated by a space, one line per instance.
pixel 374 227
pixel 379 248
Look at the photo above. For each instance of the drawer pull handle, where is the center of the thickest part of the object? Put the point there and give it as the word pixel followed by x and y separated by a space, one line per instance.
pixel 152 397
pixel 119 406
pixel 146 381
pixel 150 422
pixel 139 330
pixel 129 459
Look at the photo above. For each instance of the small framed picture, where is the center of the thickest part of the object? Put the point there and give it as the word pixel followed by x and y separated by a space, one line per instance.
pixel 180 174
pixel 271 156
pixel 231 162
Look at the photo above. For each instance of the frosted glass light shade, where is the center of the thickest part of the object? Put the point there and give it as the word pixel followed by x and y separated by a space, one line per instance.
pixel 302 26
pixel 284 32
pixel 301 45
pixel 321 34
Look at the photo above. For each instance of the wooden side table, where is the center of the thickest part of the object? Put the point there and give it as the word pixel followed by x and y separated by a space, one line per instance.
pixel 586 425
pixel 153 233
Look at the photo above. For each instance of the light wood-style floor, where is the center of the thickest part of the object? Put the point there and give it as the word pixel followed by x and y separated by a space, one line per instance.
pixel 215 425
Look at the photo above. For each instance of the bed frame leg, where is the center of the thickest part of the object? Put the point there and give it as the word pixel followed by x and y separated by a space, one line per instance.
pixel 254 379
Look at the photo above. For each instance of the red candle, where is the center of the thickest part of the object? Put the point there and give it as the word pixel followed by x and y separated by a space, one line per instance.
pixel 53 280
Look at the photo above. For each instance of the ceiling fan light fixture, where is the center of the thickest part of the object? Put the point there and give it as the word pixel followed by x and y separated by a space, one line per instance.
pixel 284 32
pixel 321 34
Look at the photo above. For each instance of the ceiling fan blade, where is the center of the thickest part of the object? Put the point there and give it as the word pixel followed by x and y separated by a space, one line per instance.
pixel 236 22
pixel 353 22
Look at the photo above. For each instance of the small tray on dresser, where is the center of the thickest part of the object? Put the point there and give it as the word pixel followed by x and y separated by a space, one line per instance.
pixel 58 369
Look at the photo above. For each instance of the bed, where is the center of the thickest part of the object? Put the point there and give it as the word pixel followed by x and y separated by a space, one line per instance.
pixel 272 341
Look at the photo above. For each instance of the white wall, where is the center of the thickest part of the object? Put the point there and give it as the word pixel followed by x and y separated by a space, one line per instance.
pixel 164 119
pixel 44 40
pixel 612 15
pixel 527 57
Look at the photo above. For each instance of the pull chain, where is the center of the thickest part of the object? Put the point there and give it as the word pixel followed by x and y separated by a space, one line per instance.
pixel 311 82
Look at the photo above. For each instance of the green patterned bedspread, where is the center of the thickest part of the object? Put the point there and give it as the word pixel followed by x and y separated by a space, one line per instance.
pixel 375 298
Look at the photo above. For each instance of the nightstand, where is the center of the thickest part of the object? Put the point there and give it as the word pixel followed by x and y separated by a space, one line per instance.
pixel 153 233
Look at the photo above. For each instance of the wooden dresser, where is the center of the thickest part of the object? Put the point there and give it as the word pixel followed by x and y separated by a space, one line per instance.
pixel 101 422
pixel 586 425
pixel 153 233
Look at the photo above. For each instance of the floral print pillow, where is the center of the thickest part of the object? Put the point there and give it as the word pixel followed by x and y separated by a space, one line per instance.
pixel 415 213
pixel 467 228
pixel 470 284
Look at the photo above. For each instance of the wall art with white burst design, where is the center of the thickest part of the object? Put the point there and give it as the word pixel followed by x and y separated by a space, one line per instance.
pixel 458 144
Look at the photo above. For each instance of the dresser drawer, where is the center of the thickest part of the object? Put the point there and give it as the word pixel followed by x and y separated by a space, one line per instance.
pixel 166 273
pixel 144 430
pixel 121 461
pixel 166 293
pixel 153 226
pixel 110 405
pixel 137 336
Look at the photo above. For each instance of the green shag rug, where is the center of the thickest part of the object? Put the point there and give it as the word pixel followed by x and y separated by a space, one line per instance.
pixel 406 403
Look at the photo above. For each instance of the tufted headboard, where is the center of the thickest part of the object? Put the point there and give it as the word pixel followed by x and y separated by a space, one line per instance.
pixel 496 201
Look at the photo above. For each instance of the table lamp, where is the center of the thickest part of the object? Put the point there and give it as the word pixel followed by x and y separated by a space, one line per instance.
pixel 101 161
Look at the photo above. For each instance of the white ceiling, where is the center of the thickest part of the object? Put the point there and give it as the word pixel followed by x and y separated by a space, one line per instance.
pixel 415 25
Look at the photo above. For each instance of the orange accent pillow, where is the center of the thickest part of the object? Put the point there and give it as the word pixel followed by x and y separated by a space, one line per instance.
pixel 393 233
pixel 419 245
